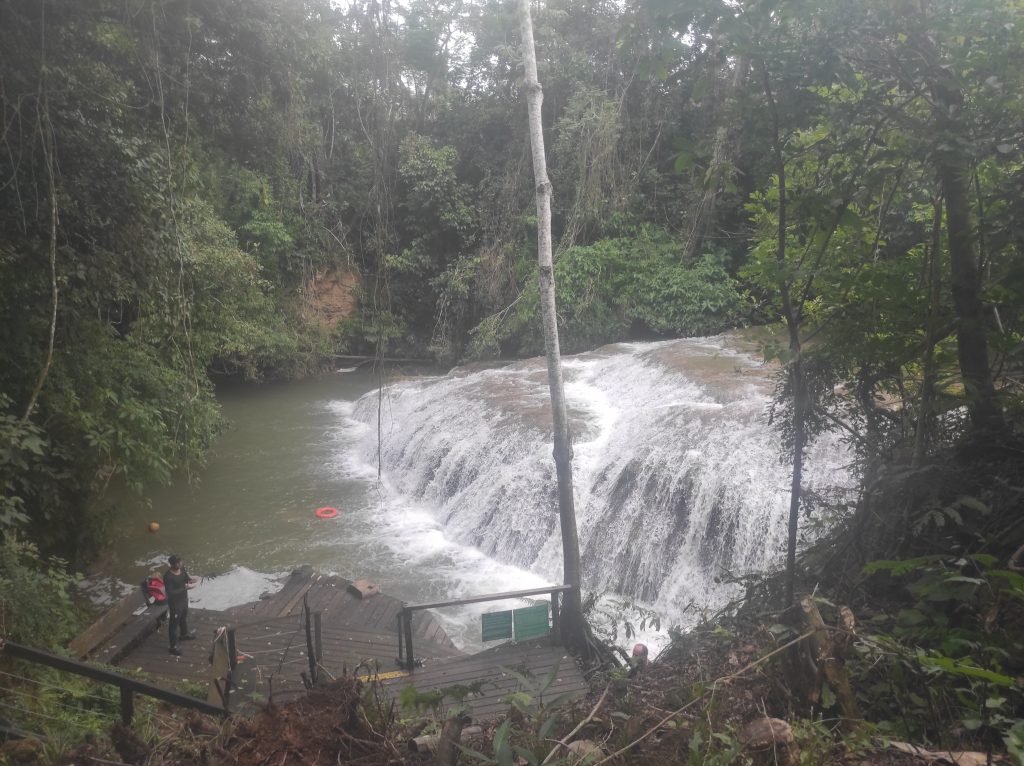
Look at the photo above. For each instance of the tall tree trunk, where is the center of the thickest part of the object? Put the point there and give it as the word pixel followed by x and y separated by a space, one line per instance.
pixel 49 148
pixel 952 165
pixel 929 370
pixel 720 170
pixel 573 626
pixel 797 373
pixel 972 343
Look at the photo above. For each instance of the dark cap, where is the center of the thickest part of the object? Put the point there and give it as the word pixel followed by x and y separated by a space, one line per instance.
pixel 174 559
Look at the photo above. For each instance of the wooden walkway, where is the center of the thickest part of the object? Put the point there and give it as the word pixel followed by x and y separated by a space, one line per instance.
pixel 357 636
pixel 501 671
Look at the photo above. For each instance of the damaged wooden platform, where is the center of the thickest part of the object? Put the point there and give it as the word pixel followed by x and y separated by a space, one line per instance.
pixel 498 672
pixel 270 631
pixel 356 636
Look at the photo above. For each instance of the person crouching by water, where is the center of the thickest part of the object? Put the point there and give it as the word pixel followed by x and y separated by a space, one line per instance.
pixel 177 584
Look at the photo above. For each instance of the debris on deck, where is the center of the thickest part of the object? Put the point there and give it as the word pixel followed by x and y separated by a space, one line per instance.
pixel 352 628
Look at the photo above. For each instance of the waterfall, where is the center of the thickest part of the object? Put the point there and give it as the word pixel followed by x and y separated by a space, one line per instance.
pixel 677 473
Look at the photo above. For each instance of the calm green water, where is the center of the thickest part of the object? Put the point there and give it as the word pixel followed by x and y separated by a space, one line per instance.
pixel 253 506
pixel 249 517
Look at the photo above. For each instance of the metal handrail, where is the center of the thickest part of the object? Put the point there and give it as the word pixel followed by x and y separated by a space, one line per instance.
pixel 406 658
pixel 128 686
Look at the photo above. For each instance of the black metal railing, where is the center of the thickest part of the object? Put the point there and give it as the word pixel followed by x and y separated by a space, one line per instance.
pixel 129 686
pixel 406 656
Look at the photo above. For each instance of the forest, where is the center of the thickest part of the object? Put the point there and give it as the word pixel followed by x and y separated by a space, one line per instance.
pixel 177 177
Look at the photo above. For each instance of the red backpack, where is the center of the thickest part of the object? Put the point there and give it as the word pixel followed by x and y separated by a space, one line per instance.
pixel 153 590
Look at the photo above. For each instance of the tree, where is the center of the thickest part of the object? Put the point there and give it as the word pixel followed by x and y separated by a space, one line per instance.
pixel 573 625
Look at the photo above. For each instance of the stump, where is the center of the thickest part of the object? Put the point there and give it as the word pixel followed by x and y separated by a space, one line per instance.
pixel 822 658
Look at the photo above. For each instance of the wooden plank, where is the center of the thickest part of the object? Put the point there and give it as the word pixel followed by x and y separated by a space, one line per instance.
pixel 112 620
pixel 296 599
pixel 373 612
pixel 325 596
pixel 384 618
pixel 365 612
pixel 132 634
pixel 296 580
pixel 435 632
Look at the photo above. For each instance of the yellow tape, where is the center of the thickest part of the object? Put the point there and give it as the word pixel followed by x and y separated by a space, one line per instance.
pixel 385 676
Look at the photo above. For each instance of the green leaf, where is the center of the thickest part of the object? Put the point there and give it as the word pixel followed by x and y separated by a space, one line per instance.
pixel 911 617
pixel 475 754
pixel 683 161
pixel 527 755
pixel 900 567
pixel 949 665
pixel 851 222
pixel 550 678
pixel 828 697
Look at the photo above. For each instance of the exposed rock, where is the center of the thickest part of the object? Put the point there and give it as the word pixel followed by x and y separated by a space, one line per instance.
pixel 771 737
pixel 330 297
pixel 766 732
pixel 584 751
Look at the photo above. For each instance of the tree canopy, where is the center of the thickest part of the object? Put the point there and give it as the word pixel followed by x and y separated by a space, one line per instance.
pixel 175 177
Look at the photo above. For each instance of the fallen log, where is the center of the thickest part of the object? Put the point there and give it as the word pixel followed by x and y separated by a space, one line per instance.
pixel 957 758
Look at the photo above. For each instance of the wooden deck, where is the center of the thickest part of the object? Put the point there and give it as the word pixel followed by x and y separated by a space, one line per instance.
pixel 357 636
pixel 503 670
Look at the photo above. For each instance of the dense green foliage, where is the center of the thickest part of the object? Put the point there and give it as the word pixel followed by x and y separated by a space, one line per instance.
pixel 176 177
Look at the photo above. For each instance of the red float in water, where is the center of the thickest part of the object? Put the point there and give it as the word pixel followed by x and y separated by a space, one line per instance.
pixel 327 512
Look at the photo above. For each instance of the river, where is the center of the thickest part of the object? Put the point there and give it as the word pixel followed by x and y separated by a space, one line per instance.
pixel 249 518
pixel 678 481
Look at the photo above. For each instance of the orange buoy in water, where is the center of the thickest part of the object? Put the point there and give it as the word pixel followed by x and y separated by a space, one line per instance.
pixel 326 512
pixel 154 527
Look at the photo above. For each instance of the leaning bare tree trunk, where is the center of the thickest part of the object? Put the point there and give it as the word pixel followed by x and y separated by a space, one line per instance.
pixel 573 629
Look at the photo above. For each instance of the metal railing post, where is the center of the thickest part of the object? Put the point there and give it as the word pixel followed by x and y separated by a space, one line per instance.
pixel 232 650
pixel 410 658
pixel 401 641
pixel 556 629
pixel 127 706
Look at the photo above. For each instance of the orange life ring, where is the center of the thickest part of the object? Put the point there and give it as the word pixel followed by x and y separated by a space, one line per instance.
pixel 326 512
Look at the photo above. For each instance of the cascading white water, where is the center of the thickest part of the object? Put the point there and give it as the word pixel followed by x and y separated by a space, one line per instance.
pixel 677 473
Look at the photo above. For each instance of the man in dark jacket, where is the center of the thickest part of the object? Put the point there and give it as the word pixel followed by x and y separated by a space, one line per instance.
pixel 177 584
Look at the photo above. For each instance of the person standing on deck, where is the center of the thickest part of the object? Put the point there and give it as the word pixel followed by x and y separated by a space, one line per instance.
pixel 177 584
